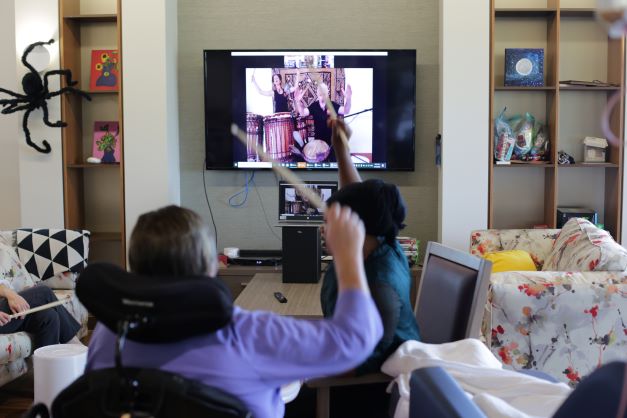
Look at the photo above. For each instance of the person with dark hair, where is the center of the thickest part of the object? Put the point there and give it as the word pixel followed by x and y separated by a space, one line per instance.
pixel 257 352
pixel 279 93
pixel 382 209
pixel 49 326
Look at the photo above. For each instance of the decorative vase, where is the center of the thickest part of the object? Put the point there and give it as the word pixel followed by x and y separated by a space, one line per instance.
pixel 108 156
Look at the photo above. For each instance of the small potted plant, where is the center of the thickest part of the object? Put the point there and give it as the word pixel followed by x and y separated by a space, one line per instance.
pixel 106 144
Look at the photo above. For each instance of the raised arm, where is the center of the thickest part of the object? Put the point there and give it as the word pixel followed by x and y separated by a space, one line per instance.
pixel 298 98
pixel 285 349
pixel 292 89
pixel 259 89
pixel 348 94
pixel 346 170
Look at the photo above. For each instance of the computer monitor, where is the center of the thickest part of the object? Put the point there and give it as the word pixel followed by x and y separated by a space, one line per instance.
pixel 296 208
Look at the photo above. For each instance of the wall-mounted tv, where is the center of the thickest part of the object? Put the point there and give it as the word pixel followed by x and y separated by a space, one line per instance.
pixel 276 97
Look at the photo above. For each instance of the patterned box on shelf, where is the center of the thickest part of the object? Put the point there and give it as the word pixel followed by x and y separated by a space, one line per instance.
pixel 564 323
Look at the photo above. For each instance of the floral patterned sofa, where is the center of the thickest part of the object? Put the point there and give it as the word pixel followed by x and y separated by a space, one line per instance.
pixel 16 348
pixel 566 320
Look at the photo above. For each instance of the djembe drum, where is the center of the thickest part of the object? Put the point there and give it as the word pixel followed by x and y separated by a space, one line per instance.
pixel 254 135
pixel 278 129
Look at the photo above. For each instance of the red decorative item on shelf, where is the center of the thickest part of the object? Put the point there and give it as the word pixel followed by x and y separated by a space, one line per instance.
pixel 104 70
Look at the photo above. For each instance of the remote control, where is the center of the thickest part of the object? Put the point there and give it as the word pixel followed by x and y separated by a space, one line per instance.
pixel 279 296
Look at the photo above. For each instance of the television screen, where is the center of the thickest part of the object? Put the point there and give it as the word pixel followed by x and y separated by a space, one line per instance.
pixel 277 98
pixel 295 207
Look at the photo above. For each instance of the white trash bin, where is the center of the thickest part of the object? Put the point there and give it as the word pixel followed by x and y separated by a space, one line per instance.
pixel 55 367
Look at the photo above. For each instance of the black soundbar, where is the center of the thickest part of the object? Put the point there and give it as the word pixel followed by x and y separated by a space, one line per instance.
pixel 255 261
pixel 261 253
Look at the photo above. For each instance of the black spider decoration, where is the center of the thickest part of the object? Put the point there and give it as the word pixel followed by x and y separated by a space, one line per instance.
pixel 36 96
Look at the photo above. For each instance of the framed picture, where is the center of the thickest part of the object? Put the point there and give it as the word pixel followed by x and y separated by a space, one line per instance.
pixel 524 67
pixel 104 74
pixel 107 141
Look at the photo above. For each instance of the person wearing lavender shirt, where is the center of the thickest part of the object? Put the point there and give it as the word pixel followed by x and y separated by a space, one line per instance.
pixel 257 351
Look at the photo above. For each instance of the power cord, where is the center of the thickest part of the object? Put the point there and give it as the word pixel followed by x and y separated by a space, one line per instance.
pixel 204 184
pixel 244 192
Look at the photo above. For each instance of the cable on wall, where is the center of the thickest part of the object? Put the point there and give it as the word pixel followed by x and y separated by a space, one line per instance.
pixel 204 184
pixel 243 192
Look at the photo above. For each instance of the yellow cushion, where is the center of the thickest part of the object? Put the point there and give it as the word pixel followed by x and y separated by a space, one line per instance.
pixel 513 260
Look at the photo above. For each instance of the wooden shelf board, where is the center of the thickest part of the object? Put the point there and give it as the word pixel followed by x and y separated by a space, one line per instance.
pixel 105 236
pixel 102 91
pixel 588 165
pixel 93 18
pixel 577 12
pixel 536 165
pixel 524 12
pixel 588 88
pixel 523 88
pixel 89 165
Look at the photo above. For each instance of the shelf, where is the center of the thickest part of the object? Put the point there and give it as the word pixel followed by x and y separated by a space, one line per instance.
pixel 577 12
pixel 576 47
pixel 525 12
pixel 523 88
pixel 105 236
pixel 101 91
pixel 91 166
pixel 588 88
pixel 536 165
pixel 93 18
pixel 589 165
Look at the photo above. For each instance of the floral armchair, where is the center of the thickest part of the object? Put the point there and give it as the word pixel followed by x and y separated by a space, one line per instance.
pixel 566 321
pixel 16 348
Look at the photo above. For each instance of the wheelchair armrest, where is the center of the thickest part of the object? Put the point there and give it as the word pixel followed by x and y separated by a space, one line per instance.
pixel 435 394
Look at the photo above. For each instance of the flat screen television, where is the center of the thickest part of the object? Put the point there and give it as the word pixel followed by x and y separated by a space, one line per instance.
pixel 294 207
pixel 275 96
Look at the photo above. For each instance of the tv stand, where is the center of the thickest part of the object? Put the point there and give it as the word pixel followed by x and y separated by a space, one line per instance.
pixel 237 277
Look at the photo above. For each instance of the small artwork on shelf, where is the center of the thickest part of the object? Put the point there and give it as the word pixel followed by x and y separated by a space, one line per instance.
pixel 524 67
pixel 104 70
pixel 106 142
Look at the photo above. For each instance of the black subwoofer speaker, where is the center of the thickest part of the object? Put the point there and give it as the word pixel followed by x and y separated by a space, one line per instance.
pixel 301 254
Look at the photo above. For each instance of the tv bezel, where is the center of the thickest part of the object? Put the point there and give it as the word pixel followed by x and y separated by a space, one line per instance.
pixel 316 169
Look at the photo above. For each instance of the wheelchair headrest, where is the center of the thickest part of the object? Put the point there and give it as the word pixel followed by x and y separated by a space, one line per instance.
pixel 175 307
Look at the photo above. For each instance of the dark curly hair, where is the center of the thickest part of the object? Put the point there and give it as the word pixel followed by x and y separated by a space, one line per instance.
pixel 379 205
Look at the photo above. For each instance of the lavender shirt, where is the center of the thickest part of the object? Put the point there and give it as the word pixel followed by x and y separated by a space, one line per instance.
pixel 258 351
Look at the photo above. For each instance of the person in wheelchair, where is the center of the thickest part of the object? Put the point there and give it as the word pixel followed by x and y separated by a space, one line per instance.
pixel 256 352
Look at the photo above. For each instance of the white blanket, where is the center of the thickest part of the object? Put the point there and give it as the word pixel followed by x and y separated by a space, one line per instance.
pixel 496 391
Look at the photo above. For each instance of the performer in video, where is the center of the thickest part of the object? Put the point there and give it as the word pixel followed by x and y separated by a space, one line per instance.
pixel 319 112
pixel 279 93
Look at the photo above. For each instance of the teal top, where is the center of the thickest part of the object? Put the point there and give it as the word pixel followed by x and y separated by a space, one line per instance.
pixel 389 280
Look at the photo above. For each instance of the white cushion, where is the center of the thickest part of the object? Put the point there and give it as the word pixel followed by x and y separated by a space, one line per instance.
pixel 581 246
pixel 12 272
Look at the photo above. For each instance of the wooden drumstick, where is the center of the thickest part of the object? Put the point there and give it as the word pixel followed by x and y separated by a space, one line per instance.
pixel 40 308
pixel 286 173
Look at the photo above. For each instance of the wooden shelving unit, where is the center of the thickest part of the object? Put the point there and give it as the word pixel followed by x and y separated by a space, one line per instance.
pixel 576 47
pixel 93 193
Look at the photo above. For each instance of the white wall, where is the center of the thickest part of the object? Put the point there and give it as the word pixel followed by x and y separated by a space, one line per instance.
pixel 9 135
pixel 151 150
pixel 464 104
pixel 41 175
